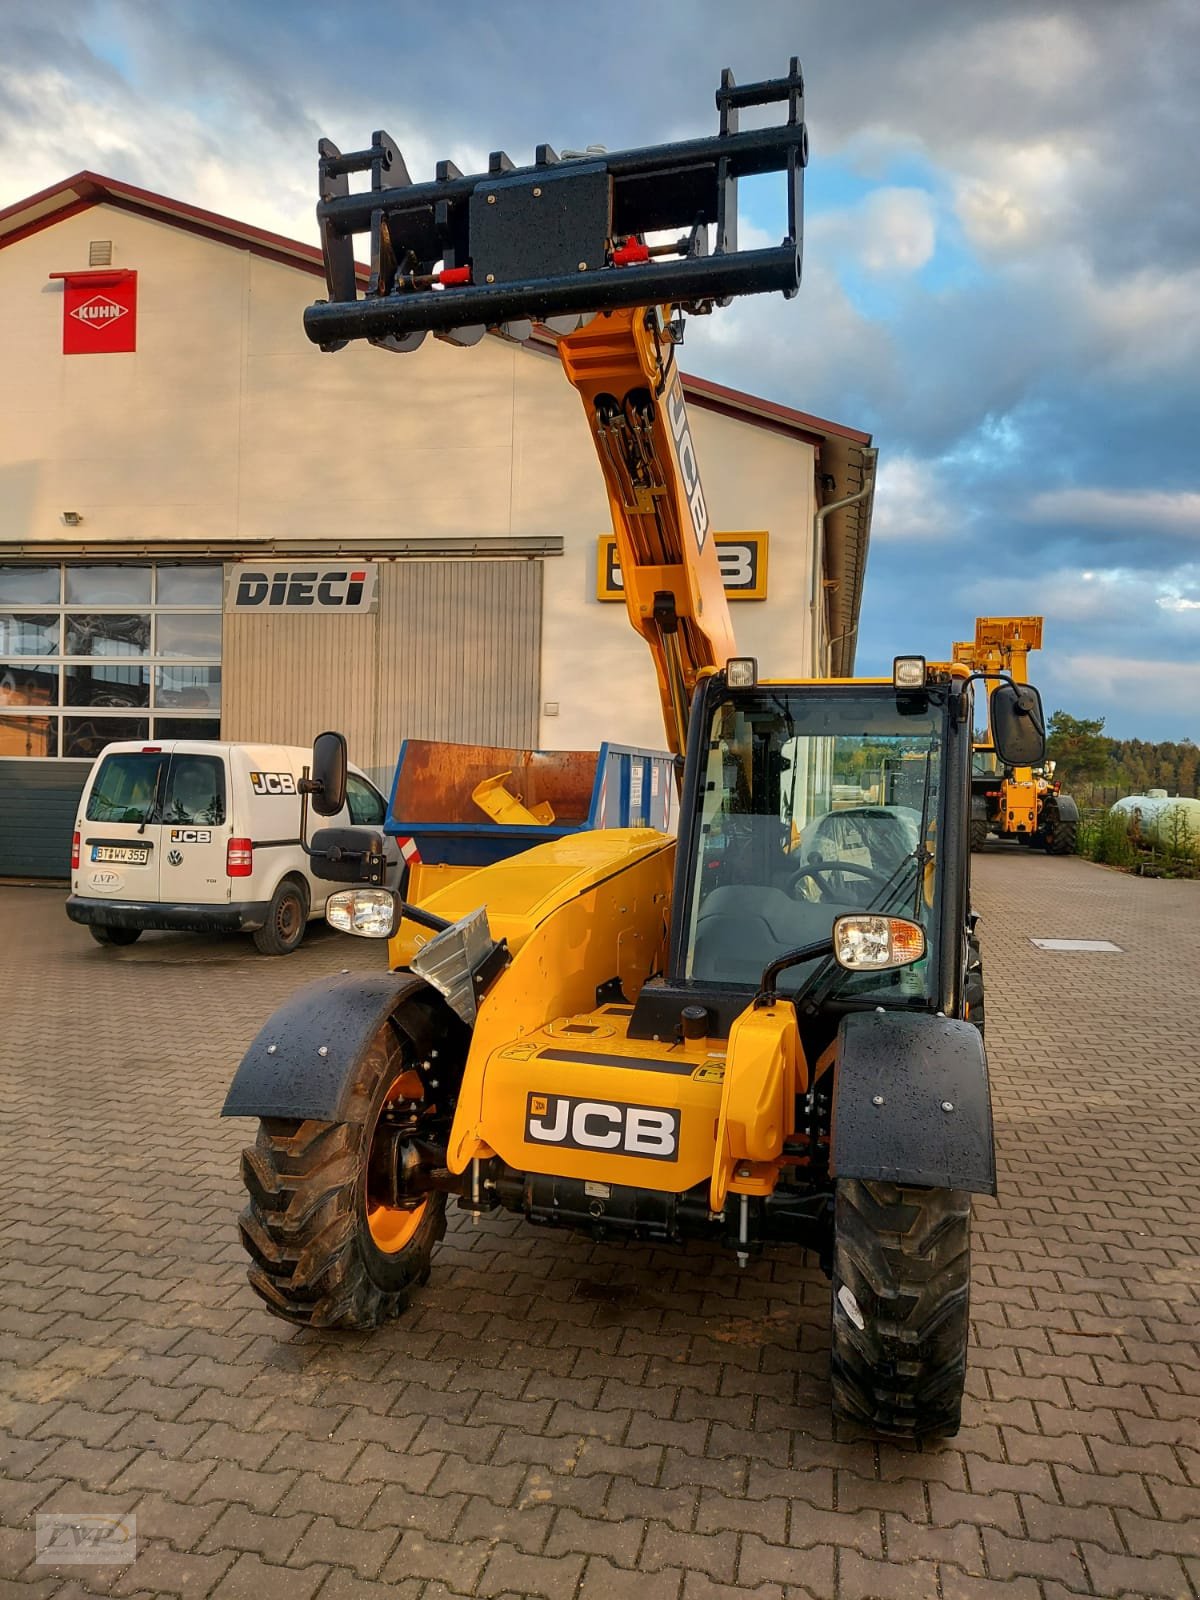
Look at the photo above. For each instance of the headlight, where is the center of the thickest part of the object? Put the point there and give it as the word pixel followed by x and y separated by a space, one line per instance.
pixel 867 944
pixel 371 913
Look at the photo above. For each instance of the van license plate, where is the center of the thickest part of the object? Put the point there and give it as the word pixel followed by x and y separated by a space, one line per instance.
pixel 136 854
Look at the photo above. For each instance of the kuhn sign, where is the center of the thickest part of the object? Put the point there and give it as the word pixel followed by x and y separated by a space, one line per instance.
pixel 99 312
pixel 326 586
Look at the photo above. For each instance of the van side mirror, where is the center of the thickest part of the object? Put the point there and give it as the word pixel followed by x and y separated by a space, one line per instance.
pixel 328 779
pixel 1018 724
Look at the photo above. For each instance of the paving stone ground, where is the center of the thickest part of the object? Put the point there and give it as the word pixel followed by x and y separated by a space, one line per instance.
pixel 578 1422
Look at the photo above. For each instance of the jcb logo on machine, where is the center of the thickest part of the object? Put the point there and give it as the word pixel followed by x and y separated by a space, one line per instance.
pixel 191 835
pixel 651 1132
pixel 685 456
pixel 272 783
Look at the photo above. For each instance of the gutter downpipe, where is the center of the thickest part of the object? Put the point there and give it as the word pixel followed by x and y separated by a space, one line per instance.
pixel 870 455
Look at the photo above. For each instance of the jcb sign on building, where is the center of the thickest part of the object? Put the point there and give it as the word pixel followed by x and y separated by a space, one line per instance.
pixel 743 558
pixel 331 586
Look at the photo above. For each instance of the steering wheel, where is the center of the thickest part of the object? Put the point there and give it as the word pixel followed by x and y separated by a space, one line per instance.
pixel 819 872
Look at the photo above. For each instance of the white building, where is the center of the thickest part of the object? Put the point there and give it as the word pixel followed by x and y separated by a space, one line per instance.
pixel 164 419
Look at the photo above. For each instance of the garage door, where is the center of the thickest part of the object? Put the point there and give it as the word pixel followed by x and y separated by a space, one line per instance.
pixel 453 652
pixel 38 800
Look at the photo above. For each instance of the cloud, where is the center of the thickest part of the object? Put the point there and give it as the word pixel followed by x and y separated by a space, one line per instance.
pixel 913 504
pixel 890 230
pixel 1125 509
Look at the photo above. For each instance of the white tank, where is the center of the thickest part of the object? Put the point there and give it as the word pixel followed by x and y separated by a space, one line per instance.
pixel 1158 811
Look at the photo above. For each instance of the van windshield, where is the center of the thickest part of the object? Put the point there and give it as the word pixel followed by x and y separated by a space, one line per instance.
pixel 126 787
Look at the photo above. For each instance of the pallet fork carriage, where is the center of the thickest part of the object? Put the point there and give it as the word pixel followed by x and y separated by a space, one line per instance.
pixel 765 1031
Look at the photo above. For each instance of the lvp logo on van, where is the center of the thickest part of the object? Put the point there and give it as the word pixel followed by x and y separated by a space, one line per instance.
pixel 312 586
pixel 272 783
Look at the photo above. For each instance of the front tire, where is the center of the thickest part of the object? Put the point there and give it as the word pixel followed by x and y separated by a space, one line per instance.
pixel 115 936
pixel 287 918
pixel 1059 834
pixel 979 833
pixel 901 1288
pixel 327 1249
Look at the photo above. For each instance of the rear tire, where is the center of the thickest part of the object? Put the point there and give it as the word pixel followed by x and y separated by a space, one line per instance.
pixel 312 1226
pixel 287 918
pixel 901 1266
pixel 979 833
pixel 115 936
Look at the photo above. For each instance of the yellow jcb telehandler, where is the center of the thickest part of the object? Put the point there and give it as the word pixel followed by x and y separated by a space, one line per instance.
pixel 754 1033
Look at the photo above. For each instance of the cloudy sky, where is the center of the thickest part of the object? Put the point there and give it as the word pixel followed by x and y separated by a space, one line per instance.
pixel 1002 261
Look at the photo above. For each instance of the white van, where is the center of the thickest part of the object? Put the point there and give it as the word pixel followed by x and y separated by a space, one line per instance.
pixel 204 836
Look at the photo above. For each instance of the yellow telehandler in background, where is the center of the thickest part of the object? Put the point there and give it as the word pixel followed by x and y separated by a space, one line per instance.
pixel 1013 802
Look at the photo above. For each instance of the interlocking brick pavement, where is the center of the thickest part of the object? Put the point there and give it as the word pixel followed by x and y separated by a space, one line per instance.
pixel 582 1422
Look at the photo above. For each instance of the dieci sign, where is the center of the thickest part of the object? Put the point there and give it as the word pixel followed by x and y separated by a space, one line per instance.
pixel 99 311
pixel 329 586
pixel 743 558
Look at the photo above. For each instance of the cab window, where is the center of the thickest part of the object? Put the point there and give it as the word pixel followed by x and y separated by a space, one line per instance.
pixel 367 806
pixel 195 790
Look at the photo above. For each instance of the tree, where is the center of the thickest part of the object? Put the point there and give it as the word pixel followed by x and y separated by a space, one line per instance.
pixel 1079 746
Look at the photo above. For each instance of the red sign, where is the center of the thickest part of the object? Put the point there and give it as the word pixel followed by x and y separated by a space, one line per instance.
pixel 99 311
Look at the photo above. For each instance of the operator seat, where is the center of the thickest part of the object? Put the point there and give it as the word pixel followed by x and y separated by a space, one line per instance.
pixel 741 927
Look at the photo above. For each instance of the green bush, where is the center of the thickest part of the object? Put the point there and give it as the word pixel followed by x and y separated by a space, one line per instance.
pixel 1170 849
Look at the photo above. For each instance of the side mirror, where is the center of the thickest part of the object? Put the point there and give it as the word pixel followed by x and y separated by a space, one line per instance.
pixel 348 855
pixel 328 774
pixel 1018 724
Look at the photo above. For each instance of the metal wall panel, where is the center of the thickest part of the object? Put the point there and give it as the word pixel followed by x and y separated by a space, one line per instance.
pixel 38 802
pixel 460 652
pixel 454 653
pixel 287 677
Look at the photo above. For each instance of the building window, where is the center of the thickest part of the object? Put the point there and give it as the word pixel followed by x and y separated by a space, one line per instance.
pixel 91 652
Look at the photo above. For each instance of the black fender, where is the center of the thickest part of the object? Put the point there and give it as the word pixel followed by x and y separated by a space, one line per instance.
pixel 895 1074
pixel 979 808
pixel 304 1061
pixel 1068 811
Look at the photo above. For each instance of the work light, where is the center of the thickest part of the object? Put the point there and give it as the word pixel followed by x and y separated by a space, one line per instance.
pixel 908 672
pixel 741 672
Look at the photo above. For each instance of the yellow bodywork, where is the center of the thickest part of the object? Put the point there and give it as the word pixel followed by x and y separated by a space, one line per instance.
pixel 577 913
pixel 765 1070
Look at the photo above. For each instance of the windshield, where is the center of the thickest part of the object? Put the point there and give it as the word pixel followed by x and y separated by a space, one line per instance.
pixel 815 803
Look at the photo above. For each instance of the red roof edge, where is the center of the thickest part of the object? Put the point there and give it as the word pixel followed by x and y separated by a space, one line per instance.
pixel 739 400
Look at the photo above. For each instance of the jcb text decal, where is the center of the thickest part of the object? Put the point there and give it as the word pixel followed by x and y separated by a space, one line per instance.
pixel 272 783
pixel 685 456
pixel 651 1132
pixel 191 835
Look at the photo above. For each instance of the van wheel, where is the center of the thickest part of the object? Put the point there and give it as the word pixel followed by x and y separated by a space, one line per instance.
pixel 339 1224
pixel 115 935
pixel 287 918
